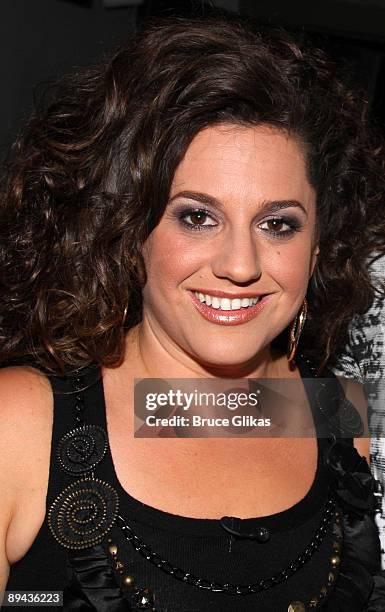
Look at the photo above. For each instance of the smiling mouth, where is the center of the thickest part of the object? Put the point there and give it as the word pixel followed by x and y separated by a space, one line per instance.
pixel 226 311
pixel 223 303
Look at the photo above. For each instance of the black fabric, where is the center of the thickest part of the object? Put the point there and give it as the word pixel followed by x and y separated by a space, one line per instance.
pixel 201 546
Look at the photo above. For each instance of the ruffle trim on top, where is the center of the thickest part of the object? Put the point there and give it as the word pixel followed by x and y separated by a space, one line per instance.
pixel 98 583
pixel 361 583
pixel 93 585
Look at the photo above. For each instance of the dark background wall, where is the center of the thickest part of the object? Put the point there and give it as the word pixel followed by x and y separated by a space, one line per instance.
pixel 352 31
pixel 40 39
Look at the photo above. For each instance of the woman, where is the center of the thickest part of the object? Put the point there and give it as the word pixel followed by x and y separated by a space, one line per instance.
pixel 203 166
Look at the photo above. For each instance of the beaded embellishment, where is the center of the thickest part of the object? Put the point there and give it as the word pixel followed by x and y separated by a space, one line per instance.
pixel 83 513
pixel 317 601
pixel 81 449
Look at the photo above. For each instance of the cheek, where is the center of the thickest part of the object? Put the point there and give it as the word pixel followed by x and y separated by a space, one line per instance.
pixel 169 260
pixel 290 265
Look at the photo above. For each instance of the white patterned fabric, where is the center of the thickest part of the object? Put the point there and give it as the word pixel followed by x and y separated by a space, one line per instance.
pixel 364 360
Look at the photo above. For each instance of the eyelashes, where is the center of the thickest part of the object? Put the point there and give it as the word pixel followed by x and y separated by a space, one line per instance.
pixel 197 213
pixel 279 226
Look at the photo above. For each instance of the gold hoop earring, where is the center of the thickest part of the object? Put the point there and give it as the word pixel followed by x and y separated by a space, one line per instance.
pixel 295 331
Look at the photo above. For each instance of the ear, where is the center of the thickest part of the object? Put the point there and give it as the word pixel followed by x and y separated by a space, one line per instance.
pixel 313 260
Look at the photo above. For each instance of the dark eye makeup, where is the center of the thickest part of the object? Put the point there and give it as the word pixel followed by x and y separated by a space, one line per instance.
pixel 193 219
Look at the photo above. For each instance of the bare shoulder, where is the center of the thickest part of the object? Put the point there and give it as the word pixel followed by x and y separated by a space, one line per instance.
pixel 25 407
pixel 355 393
pixel 26 415
pixel 23 382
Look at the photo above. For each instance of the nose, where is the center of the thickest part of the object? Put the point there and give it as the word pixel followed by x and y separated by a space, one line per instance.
pixel 237 258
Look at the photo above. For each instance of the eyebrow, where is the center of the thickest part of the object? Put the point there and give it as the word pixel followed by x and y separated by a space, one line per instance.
pixel 268 206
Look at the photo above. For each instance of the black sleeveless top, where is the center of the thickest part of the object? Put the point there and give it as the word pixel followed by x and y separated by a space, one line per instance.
pixel 125 555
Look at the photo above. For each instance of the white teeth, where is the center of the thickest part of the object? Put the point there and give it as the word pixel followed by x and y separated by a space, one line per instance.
pixel 226 303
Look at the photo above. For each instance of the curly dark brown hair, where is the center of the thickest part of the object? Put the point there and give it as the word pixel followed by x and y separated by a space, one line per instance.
pixel 89 178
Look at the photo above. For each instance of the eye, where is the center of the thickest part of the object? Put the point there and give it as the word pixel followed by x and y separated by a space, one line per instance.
pixel 195 219
pixel 280 226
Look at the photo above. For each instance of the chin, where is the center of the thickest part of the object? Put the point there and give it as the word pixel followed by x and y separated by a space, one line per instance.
pixel 227 357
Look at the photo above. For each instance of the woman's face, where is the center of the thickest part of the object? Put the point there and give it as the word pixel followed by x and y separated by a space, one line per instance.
pixel 240 223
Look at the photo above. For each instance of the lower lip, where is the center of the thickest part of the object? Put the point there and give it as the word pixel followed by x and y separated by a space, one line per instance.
pixel 229 317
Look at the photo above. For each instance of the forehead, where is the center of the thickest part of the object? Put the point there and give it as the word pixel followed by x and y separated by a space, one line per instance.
pixel 258 163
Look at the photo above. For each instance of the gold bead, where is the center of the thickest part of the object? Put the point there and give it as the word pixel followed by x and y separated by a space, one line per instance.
pixel 335 561
pixel 113 550
pixel 119 565
pixel 296 606
pixel 128 580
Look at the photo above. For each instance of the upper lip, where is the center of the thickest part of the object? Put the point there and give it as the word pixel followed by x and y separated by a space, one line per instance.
pixel 231 296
